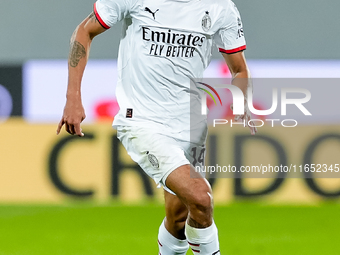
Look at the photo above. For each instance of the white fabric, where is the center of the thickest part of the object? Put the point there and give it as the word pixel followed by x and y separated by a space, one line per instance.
pixel 164 45
pixel 169 151
pixel 203 241
pixel 170 245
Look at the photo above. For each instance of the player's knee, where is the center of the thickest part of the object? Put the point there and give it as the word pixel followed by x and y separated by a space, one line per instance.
pixel 202 206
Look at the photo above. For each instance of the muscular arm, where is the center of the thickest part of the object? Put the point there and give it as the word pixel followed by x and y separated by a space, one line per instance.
pixel 80 44
pixel 239 70
pixel 241 78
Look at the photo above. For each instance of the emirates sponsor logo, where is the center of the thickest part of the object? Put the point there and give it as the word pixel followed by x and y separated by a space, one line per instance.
pixel 171 43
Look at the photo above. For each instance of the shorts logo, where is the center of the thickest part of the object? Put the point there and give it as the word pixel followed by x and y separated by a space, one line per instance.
pixel 206 22
pixel 129 112
pixel 153 160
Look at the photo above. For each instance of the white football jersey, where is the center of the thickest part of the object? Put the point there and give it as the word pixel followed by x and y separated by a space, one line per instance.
pixel 164 45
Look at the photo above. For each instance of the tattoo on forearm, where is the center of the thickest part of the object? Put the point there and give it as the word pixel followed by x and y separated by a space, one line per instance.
pixel 77 53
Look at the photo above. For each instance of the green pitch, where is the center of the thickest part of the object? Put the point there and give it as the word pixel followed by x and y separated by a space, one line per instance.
pixel 244 229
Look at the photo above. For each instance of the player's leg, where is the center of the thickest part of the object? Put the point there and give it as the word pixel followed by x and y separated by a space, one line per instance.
pixel 171 237
pixel 176 214
pixel 196 194
pixel 158 161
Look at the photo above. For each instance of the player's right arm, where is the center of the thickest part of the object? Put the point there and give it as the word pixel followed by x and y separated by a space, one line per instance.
pixel 80 44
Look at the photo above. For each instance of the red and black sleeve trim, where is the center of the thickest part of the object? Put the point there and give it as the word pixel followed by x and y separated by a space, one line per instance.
pixel 101 22
pixel 242 48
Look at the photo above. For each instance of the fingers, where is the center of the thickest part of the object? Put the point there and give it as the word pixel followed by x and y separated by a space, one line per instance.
pixel 246 117
pixel 248 122
pixel 60 125
pixel 78 130
pixel 252 127
pixel 72 129
pixel 68 128
pixel 240 117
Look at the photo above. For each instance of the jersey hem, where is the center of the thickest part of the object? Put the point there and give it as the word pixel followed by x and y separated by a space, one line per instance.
pixel 101 22
pixel 242 48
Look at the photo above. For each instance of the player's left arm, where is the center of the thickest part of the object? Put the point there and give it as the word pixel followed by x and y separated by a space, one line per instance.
pixel 241 78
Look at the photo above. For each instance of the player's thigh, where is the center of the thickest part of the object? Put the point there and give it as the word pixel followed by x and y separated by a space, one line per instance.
pixel 156 153
pixel 189 186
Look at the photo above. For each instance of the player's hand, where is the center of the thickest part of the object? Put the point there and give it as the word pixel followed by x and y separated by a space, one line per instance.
pixel 246 117
pixel 73 115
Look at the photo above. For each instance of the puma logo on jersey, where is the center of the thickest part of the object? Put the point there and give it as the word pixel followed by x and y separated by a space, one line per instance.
pixel 153 13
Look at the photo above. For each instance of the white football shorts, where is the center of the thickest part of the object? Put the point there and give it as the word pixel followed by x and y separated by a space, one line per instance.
pixel 159 153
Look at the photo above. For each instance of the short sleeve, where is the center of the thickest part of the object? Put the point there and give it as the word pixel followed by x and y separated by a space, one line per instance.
pixel 230 37
pixel 109 12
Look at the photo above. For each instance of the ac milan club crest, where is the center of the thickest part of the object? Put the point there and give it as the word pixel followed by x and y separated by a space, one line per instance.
pixel 206 22
pixel 153 160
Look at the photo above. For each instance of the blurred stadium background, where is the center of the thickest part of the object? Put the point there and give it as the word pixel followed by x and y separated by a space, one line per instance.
pixel 64 195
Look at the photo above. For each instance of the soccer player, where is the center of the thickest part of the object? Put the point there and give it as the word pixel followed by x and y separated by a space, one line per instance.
pixel 164 45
